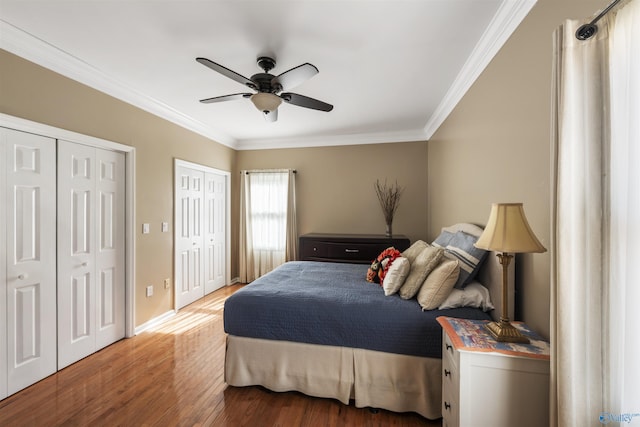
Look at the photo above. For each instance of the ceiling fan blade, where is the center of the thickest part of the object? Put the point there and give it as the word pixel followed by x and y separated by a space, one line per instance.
pixel 295 76
pixel 305 101
pixel 227 72
pixel 231 97
pixel 270 116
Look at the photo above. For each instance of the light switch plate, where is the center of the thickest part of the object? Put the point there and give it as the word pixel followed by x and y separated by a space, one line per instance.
pixel 145 228
pixel 165 227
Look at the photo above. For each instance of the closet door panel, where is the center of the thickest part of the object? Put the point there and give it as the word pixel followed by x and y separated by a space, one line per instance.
pixel 189 240
pixel 76 256
pixel 30 258
pixel 109 261
pixel 3 264
pixel 214 231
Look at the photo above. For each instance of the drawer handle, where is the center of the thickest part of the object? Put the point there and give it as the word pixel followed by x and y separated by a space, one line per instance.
pixel 447 372
pixel 352 251
pixel 447 406
pixel 448 347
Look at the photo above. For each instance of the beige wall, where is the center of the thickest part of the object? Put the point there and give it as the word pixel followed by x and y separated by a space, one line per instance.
pixel 335 185
pixel 34 93
pixel 495 146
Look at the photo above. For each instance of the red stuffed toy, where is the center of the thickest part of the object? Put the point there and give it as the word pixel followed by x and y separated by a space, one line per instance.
pixel 381 264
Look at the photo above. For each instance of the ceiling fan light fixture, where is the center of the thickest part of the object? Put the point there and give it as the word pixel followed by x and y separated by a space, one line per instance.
pixel 266 102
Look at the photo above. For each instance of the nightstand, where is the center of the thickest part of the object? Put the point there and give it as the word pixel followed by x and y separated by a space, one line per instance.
pixel 487 383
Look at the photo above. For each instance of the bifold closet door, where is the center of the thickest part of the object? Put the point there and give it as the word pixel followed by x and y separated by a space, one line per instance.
pixel 91 294
pixel 214 231
pixel 28 243
pixel 189 235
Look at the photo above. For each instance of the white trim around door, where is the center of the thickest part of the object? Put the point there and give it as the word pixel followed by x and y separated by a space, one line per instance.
pixel 178 163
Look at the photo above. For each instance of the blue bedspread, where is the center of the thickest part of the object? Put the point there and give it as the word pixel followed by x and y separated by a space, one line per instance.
pixel 333 304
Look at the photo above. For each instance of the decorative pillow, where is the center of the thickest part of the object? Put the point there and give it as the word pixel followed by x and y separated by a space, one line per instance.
pixel 438 284
pixel 443 239
pixel 424 263
pixel 396 275
pixel 379 266
pixel 461 248
pixel 473 295
pixel 414 250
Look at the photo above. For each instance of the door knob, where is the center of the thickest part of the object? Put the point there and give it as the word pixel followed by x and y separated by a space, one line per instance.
pixel 22 276
pixel 84 264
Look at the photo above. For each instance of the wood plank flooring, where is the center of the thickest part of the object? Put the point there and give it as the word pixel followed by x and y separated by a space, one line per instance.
pixel 173 376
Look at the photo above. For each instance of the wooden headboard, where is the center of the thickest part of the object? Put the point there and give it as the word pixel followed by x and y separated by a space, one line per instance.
pixel 490 274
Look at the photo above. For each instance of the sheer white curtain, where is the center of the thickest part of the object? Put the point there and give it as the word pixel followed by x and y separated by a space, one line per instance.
pixel 268 230
pixel 595 289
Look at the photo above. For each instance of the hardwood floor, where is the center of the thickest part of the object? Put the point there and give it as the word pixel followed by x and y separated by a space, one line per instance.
pixel 173 376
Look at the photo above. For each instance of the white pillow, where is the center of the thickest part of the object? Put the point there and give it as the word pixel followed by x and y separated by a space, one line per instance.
pixel 396 275
pixel 473 295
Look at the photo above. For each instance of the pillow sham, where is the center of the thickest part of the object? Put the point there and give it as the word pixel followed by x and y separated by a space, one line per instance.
pixel 396 275
pixel 414 250
pixel 438 284
pixel 465 227
pixel 473 295
pixel 470 258
pixel 424 263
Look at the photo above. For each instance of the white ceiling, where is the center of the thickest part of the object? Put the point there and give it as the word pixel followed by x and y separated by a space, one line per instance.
pixel 392 69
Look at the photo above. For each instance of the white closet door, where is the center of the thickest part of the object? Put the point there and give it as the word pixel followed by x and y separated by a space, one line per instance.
pixel 3 265
pixel 30 257
pixel 76 280
pixel 214 236
pixel 110 235
pixel 90 250
pixel 189 235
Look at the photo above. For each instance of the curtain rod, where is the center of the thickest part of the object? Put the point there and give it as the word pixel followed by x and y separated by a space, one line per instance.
pixel 586 31
pixel 268 171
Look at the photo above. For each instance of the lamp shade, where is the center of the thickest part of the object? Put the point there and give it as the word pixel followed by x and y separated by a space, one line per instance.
pixel 266 102
pixel 508 231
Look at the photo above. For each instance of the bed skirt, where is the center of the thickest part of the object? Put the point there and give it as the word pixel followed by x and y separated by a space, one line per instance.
pixel 395 382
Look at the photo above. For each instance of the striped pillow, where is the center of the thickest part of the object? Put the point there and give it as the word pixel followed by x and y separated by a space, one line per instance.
pixel 469 257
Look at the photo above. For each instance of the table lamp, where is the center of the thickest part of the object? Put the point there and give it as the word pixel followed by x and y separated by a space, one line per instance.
pixel 507 232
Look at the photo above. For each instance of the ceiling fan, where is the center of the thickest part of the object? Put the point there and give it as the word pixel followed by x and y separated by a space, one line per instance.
pixel 269 88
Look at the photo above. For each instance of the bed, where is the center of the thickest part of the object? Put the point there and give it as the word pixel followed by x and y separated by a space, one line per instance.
pixel 300 327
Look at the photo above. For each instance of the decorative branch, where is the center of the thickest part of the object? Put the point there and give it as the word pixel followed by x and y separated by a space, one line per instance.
pixel 389 197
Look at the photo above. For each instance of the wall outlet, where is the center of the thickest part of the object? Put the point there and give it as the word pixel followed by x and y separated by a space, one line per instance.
pixel 150 290
pixel 167 283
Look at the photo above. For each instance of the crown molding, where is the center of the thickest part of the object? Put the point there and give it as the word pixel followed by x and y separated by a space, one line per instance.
pixel 332 140
pixel 509 15
pixel 36 50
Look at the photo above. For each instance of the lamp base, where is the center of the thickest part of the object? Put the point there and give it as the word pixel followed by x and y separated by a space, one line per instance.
pixel 504 331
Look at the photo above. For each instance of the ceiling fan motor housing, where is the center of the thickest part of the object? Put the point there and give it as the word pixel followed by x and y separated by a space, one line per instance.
pixel 263 82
